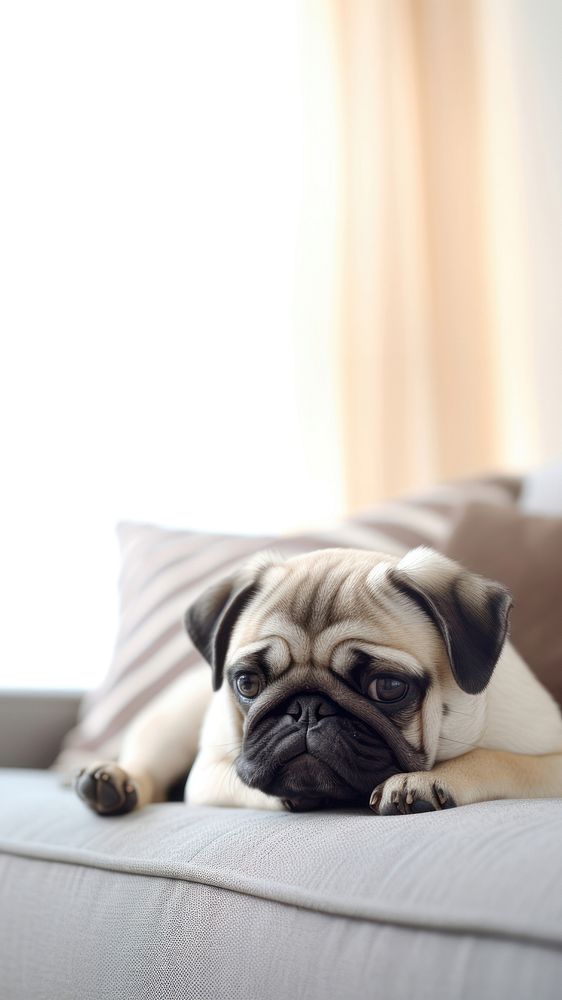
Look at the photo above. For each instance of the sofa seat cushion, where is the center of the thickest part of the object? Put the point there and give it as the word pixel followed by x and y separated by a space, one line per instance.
pixel 178 901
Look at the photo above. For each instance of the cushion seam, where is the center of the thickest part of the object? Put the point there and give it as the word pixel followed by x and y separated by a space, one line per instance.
pixel 294 896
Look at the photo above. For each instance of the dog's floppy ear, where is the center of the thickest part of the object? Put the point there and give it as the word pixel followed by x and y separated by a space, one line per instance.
pixel 210 620
pixel 471 613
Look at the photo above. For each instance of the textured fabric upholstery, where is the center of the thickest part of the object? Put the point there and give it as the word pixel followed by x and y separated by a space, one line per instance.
pixel 178 902
pixel 33 725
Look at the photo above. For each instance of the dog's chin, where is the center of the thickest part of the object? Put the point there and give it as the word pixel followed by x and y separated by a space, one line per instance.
pixel 305 782
pixel 310 783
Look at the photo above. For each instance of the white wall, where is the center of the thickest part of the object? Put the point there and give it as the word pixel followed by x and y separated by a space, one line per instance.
pixel 151 180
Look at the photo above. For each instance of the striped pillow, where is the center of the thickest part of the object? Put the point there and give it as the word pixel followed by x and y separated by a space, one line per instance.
pixel 164 570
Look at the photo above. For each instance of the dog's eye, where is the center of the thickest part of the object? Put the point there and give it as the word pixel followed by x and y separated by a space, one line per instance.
pixel 387 689
pixel 248 685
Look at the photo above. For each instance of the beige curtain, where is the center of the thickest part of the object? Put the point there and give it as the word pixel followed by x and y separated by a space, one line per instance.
pixel 429 331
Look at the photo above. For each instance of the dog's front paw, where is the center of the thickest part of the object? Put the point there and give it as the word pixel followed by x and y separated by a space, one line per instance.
pixel 418 792
pixel 107 789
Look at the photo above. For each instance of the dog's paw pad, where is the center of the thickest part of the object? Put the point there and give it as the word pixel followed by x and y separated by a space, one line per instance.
pixel 108 789
pixel 422 806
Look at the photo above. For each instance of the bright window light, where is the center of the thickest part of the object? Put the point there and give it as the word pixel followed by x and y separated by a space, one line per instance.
pixel 150 186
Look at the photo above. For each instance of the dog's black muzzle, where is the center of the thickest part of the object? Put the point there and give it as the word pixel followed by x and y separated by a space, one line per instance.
pixel 312 751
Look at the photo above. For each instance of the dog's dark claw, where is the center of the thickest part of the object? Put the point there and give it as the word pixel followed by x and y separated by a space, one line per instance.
pixel 445 800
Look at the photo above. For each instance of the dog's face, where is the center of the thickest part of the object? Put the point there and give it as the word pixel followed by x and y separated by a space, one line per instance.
pixel 341 665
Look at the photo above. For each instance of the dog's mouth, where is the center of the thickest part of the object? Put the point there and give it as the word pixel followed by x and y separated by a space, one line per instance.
pixel 305 776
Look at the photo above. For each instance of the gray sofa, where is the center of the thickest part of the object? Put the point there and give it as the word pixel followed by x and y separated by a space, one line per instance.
pixel 190 902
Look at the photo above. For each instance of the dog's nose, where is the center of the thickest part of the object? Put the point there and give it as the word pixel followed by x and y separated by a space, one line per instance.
pixel 308 709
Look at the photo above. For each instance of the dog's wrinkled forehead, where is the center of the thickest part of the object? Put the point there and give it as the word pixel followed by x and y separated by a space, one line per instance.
pixel 310 604
pixel 423 605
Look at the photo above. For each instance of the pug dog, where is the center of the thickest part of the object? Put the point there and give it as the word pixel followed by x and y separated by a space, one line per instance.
pixel 344 678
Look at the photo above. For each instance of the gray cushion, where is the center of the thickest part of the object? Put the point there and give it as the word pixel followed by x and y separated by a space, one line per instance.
pixel 214 903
